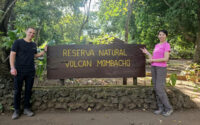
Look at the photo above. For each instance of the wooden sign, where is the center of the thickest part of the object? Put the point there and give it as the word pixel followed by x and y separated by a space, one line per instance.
pixel 95 61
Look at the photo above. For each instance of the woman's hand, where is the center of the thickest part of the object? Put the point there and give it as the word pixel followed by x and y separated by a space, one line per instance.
pixel 150 60
pixel 145 51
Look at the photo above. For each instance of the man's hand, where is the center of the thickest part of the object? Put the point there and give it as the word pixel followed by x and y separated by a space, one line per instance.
pixel 45 48
pixel 13 71
pixel 41 53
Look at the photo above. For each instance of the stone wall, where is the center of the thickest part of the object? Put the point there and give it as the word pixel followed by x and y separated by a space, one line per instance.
pixel 6 88
pixel 97 98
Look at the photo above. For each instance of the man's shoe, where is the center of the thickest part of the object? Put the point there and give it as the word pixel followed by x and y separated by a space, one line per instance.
pixel 168 113
pixel 28 112
pixel 15 115
pixel 158 112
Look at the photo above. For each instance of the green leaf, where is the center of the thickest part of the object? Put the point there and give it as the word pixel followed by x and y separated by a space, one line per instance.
pixel 1 107
pixel 173 79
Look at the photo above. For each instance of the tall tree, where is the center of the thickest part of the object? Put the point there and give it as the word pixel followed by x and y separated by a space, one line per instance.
pixel 129 13
pixel 85 18
pixel 6 7
pixel 197 41
pixel 114 16
pixel 180 18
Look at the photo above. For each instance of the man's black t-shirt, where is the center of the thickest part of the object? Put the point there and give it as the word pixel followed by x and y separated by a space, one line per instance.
pixel 25 51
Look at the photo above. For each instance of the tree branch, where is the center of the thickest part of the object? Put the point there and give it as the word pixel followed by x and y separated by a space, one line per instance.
pixel 188 37
pixel 9 7
pixel 85 19
pixel 167 3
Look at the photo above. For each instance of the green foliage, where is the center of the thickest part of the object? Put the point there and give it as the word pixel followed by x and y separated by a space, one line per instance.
pixel 38 14
pixel 172 79
pixel 51 43
pixel 178 17
pixel 59 21
pixel 103 39
pixel 12 35
pixel 41 67
pixel 182 54
pixel 197 88
pixel 62 25
pixel 1 12
pixel 41 64
pixel 112 17
pixel 192 72
pixel 1 107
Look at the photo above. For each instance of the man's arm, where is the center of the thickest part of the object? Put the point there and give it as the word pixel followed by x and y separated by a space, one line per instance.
pixel 39 54
pixel 13 71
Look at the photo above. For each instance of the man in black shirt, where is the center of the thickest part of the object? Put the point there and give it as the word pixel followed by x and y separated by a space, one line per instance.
pixel 22 67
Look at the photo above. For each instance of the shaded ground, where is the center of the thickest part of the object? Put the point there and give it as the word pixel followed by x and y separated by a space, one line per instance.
pixel 189 117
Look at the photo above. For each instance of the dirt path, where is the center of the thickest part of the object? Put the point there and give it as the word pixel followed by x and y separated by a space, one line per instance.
pixel 188 117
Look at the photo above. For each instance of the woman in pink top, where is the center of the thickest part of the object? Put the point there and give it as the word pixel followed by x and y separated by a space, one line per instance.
pixel 159 71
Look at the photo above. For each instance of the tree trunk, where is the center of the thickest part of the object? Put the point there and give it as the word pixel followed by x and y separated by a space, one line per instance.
pixel 197 46
pixel 85 20
pixel 130 4
pixel 197 49
pixel 5 6
pixel 6 84
pixel 38 33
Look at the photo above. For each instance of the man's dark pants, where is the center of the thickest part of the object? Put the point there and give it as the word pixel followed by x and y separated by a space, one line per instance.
pixel 28 77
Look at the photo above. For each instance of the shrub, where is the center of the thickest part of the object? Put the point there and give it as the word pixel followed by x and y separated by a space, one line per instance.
pixel 172 80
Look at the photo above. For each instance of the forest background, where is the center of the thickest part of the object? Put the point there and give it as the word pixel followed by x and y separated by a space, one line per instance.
pixel 98 22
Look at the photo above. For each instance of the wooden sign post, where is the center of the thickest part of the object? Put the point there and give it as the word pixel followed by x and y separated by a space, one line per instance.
pixel 95 61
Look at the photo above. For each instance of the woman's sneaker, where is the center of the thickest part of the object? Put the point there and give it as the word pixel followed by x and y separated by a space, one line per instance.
pixel 158 112
pixel 168 113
